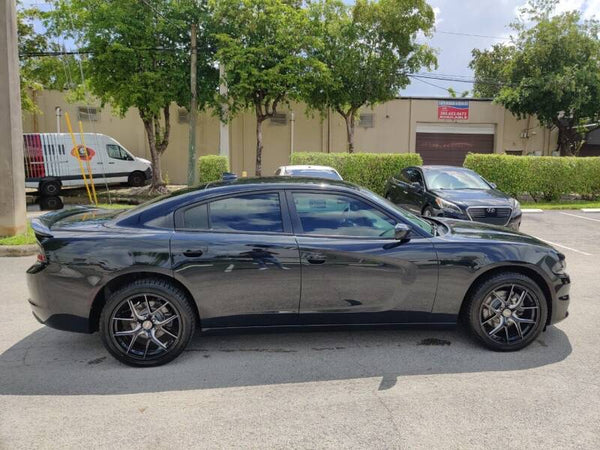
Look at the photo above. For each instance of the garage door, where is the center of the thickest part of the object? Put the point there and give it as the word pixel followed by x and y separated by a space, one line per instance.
pixel 448 144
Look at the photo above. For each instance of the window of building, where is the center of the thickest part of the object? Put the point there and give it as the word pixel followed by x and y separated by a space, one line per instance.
pixel 279 119
pixel 366 120
pixel 88 113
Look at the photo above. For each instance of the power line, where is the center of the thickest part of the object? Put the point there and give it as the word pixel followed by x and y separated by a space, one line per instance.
pixel 430 84
pixel 456 33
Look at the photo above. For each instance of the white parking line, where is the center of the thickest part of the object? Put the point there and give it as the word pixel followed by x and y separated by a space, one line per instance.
pixel 532 210
pixel 581 217
pixel 563 246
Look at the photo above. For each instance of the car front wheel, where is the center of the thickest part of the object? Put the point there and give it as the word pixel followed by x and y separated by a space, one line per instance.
pixel 147 323
pixel 507 312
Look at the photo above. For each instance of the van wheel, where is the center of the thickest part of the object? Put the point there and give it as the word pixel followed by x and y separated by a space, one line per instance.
pixel 136 179
pixel 49 188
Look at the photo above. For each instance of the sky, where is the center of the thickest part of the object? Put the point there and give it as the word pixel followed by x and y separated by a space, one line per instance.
pixel 476 17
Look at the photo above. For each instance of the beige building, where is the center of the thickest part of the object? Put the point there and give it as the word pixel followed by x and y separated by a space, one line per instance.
pixel 442 130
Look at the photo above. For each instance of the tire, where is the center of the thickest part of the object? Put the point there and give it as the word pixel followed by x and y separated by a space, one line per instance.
pixel 49 188
pixel 137 333
pixel 136 179
pixel 428 211
pixel 506 326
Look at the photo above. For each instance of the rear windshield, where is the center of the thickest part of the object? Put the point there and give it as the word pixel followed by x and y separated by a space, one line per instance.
pixel 315 174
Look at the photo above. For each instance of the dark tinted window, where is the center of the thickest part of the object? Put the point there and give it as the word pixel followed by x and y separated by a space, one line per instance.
pixel 196 217
pixel 255 212
pixel 411 175
pixel 338 214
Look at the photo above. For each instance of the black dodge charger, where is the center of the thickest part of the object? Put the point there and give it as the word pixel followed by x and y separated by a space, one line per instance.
pixel 453 192
pixel 285 252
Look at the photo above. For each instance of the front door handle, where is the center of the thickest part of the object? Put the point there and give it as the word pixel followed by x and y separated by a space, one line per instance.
pixel 316 259
pixel 193 253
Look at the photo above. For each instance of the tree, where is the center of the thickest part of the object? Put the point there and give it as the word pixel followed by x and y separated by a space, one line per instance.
pixel 369 49
pixel 38 70
pixel 488 66
pixel 552 71
pixel 263 46
pixel 452 93
pixel 139 56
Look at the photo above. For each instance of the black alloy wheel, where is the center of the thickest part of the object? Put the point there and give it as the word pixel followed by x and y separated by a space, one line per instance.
pixel 147 323
pixel 507 312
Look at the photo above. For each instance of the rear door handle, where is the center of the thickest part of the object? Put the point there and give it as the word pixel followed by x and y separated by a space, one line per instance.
pixel 316 259
pixel 193 253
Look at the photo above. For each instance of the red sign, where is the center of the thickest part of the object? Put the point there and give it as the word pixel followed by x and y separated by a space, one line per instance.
pixel 453 109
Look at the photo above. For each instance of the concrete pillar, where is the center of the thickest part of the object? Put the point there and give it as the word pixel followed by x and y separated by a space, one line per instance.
pixel 13 218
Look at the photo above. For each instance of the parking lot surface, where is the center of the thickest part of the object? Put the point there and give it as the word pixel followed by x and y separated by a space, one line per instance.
pixel 336 389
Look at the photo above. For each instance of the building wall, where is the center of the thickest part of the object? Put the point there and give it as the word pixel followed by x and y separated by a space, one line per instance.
pixel 394 131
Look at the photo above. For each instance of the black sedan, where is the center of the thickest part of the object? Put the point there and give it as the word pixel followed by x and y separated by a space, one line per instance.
pixel 455 192
pixel 285 252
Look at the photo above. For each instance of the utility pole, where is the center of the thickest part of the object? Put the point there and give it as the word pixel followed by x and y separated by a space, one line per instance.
pixel 193 111
pixel 13 218
pixel 223 125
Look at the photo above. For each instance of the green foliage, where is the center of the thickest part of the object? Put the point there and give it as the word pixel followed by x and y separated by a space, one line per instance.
pixel 542 177
pixel 211 167
pixel 550 70
pixel 26 238
pixel 39 72
pixel 370 170
pixel 139 56
pixel 368 49
pixel 264 48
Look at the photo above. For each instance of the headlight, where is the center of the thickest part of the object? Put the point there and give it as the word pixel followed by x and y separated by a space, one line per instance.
pixel 561 265
pixel 444 204
pixel 516 204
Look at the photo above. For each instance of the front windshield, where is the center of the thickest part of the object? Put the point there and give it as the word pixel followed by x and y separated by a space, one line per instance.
pixel 454 179
pixel 415 220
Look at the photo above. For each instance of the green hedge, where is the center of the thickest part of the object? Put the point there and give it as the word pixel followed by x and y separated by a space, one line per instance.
pixel 211 167
pixel 542 177
pixel 370 170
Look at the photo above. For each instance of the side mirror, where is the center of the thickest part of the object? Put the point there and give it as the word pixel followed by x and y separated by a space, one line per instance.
pixel 417 186
pixel 401 231
pixel 493 185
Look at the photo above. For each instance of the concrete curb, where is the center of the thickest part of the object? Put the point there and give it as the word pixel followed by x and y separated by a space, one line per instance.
pixel 590 210
pixel 18 250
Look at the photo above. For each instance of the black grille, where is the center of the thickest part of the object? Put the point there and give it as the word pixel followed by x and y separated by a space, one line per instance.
pixel 491 215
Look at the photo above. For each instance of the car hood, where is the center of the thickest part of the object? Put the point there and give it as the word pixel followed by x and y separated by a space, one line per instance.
pixel 475 197
pixel 465 229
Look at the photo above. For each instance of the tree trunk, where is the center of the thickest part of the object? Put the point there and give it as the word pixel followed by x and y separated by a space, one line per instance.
pixel 259 143
pixel 157 184
pixel 350 130
pixel 569 140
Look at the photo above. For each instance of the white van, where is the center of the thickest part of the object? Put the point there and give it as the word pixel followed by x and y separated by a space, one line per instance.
pixel 51 162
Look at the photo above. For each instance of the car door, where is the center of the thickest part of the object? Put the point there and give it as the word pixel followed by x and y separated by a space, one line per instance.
pixel 353 271
pixel 239 258
pixel 398 188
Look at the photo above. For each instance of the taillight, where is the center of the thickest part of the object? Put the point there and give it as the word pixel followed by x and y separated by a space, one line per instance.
pixel 41 256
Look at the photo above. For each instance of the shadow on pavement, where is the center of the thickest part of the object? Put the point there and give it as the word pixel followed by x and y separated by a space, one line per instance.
pixel 50 362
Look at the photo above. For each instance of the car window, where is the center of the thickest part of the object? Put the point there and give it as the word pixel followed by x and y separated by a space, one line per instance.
pixel 455 179
pixel 252 213
pixel 116 152
pixel 341 215
pixel 328 174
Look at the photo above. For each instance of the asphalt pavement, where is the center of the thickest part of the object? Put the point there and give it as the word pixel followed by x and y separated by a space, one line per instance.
pixel 336 389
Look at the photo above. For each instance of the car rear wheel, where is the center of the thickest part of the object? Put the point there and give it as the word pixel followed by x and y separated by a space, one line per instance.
pixel 136 179
pixel 147 323
pixel 507 312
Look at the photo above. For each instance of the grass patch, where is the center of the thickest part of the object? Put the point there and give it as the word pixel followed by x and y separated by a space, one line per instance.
pixel 571 204
pixel 20 239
